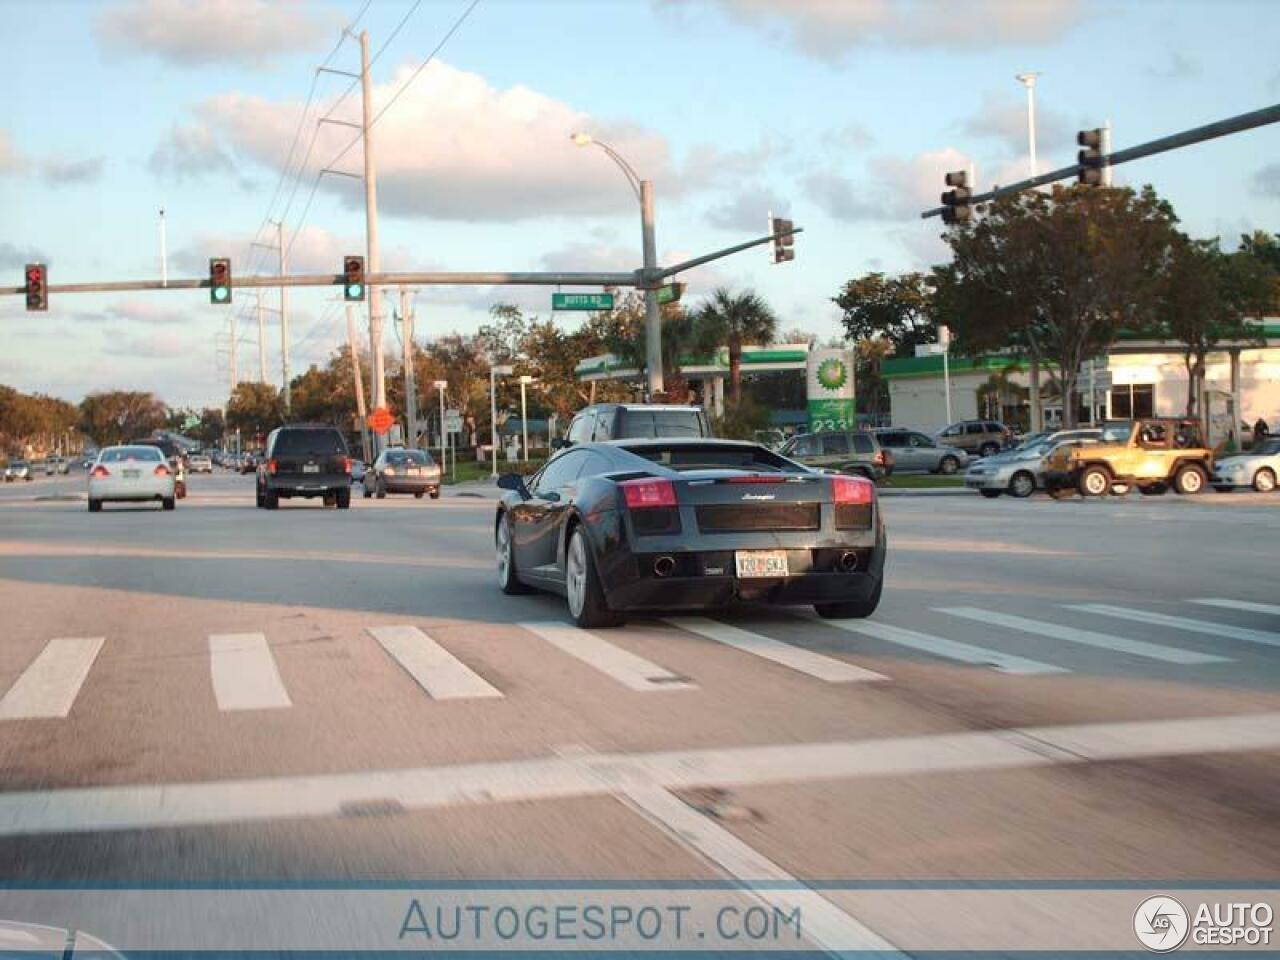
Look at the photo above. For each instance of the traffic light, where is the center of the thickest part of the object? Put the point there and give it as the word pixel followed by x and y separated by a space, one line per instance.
pixel 219 280
pixel 37 287
pixel 955 202
pixel 353 278
pixel 1094 143
pixel 784 246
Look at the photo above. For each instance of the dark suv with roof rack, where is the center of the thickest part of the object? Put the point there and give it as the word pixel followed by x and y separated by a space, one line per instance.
pixel 305 460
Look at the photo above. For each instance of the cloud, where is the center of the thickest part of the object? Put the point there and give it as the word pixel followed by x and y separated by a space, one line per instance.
pixel 200 32
pixel 161 345
pixel 1179 66
pixel 894 189
pixel 60 172
pixel 15 258
pixel 312 250
pixel 748 210
pixel 189 152
pixel 1004 118
pixel 145 311
pixel 454 147
pixel 11 162
pixel 1266 181
pixel 854 136
pixel 830 29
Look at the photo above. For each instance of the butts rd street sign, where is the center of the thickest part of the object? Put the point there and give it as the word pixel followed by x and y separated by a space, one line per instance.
pixel 582 301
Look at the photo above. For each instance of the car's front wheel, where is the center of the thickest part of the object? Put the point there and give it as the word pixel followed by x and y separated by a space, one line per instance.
pixel 851 609
pixel 587 604
pixel 948 465
pixel 508 581
pixel 169 503
pixel 1023 484
pixel 1264 481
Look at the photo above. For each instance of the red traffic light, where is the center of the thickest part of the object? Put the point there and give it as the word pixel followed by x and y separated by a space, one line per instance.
pixel 37 287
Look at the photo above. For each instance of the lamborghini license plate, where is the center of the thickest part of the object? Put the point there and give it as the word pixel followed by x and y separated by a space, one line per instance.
pixel 754 564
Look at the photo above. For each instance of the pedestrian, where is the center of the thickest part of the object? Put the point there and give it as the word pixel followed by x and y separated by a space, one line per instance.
pixel 1260 431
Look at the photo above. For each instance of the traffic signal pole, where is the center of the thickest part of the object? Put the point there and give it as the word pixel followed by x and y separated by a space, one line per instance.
pixel 652 315
pixel 379 386
pixel 361 412
pixel 284 319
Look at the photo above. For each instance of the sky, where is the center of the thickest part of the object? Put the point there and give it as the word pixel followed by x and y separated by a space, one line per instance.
pixel 843 115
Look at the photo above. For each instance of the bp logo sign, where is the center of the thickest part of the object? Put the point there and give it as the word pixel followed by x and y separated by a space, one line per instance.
pixel 830 390
pixel 832 373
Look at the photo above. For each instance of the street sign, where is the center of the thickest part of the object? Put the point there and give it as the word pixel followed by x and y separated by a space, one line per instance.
pixel 582 301
pixel 380 421
pixel 453 421
pixel 671 293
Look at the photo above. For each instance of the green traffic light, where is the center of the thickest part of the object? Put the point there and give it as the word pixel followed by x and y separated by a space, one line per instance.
pixel 355 291
pixel 221 293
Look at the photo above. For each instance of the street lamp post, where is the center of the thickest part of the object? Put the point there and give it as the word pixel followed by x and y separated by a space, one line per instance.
pixel 1028 80
pixel 525 380
pixel 652 316
pixel 444 451
pixel 495 372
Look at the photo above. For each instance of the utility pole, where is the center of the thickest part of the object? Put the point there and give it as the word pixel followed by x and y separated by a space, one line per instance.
pixel 652 315
pixel 262 342
pixel 1028 80
pixel 284 318
pixel 355 370
pixel 372 260
pixel 410 377
pixel 232 364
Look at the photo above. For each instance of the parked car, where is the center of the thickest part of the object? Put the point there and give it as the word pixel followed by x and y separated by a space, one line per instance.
pixel 626 421
pixel 132 472
pixel 667 524
pixel 913 451
pixel 1258 468
pixel 1021 472
pixel 980 437
pixel 17 470
pixel 305 460
pixel 853 452
pixel 199 463
pixel 403 471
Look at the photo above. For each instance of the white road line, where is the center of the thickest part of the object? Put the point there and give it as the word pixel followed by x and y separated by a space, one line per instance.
pixel 1058 631
pixel 797 658
pixel 48 687
pixel 244 673
pixel 435 669
pixel 942 647
pixel 824 924
pixel 633 672
pixel 154 805
pixel 1181 623
pixel 1269 608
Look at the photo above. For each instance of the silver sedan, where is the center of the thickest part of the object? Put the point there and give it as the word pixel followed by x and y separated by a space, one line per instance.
pixel 913 452
pixel 1259 468
pixel 1020 472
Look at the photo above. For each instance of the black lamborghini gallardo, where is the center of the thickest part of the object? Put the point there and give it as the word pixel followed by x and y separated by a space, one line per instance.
pixel 634 525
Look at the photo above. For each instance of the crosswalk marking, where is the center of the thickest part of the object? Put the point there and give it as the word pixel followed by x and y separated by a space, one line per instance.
pixel 1089 638
pixel 1182 623
pixel 797 658
pixel 1269 608
pixel 633 672
pixel 442 675
pixel 49 685
pixel 244 673
pixel 942 647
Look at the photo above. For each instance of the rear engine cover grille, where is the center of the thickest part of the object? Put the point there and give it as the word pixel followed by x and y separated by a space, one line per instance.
pixel 746 517
pixel 853 516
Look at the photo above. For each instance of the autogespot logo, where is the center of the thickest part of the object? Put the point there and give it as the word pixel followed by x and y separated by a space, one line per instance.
pixel 1161 924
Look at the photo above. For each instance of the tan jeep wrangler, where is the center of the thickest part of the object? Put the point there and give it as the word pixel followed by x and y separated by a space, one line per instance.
pixel 1156 454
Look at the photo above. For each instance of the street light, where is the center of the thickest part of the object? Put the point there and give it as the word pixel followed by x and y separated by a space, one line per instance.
pixel 444 453
pixel 1028 80
pixel 525 380
pixel 500 370
pixel 652 317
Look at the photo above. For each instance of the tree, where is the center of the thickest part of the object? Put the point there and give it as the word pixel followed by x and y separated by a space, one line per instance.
pixel 734 320
pixel 114 416
pixel 254 408
pixel 1061 272
pixel 873 392
pixel 898 309
pixel 1207 299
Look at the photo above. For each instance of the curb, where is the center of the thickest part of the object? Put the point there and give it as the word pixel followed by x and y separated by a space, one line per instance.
pixel 925 492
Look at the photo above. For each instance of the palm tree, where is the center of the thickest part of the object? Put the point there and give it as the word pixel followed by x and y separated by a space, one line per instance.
pixel 735 319
pixel 873 353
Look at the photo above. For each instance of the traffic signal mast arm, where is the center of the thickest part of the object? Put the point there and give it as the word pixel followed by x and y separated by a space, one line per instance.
pixel 1210 131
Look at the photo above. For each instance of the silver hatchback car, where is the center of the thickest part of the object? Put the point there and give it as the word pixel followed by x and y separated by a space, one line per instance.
pixel 913 452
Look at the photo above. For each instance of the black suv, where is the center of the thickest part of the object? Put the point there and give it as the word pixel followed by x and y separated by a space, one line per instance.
pixel 305 460
pixel 635 421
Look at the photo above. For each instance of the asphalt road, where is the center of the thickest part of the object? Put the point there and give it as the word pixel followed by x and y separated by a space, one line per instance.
pixel 1050 691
